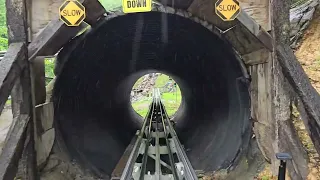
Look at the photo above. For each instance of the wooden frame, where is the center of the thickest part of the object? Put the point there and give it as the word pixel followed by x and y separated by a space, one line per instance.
pixel 15 77
pixel 21 73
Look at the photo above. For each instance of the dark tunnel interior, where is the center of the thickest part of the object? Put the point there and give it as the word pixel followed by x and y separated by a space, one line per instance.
pixel 96 72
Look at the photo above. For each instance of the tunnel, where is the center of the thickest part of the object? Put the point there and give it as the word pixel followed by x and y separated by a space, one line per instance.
pixel 96 72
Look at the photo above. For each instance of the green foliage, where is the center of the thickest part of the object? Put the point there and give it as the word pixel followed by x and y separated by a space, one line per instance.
pixel 3 27
pixel 3 44
pixel 172 101
pixel 142 106
pixel 111 4
pixel 49 68
pixel 161 80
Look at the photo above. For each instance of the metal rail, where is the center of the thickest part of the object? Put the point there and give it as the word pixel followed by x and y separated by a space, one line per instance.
pixel 158 153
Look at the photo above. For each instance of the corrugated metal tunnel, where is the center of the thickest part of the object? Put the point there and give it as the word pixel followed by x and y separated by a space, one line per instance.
pixel 96 72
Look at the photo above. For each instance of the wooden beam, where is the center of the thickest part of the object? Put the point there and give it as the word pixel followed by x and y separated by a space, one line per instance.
pixel 307 94
pixel 37 69
pixel 21 95
pixel 16 21
pixel 44 137
pixel 56 34
pixel 10 69
pixel 177 4
pixel 257 57
pixel 13 148
pixel 94 11
pixel 52 38
pixel 260 62
pixel 16 141
pixel 253 27
pixel 243 33
pixel 285 135
pixel 16 138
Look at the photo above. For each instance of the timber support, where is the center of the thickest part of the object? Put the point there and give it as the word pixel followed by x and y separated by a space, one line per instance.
pixel 15 79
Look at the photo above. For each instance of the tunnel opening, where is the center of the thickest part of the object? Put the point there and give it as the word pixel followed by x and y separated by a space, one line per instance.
pixel 92 91
pixel 141 93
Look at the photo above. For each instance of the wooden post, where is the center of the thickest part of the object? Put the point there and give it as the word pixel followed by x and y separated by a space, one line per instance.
pixel 56 34
pixel 261 75
pixel 286 137
pixel 43 136
pixel 270 98
pixel 269 92
pixel 21 94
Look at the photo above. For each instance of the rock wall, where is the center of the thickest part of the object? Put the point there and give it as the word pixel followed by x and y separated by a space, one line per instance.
pixel 300 17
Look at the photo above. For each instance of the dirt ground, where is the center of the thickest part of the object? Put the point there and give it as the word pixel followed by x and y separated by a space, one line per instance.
pixel 309 52
pixel 5 122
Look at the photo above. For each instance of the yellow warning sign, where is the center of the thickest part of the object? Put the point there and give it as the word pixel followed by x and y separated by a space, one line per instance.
pixel 72 12
pixel 227 10
pixel 134 6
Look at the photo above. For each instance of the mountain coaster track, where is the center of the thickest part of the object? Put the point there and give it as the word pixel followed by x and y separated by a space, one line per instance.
pixel 157 153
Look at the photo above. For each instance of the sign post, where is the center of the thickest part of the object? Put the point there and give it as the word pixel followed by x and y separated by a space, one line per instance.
pixel 72 12
pixel 227 10
pixel 134 6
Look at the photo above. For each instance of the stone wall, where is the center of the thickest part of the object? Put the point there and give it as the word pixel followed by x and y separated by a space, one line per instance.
pixel 300 17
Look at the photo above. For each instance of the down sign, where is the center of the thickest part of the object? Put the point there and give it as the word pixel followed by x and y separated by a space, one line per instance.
pixel 227 10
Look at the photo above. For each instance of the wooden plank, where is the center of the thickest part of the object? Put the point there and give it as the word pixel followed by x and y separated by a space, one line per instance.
pixel 94 11
pixel 52 38
pixel 43 138
pixel 243 33
pixel 204 9
pixel 257 57
pixel 45 146
pixel 16 21
pixel 285 135
pixel 263 36
pixel 13 148
pixel 261 76
pixel 46 112
pixel 242 40
pixel 261 106
pixel 37 69
pixel 258 10
pixel 21 106
pixel 10 69
pixel 16 139
pixel 21 93
pixel 307 94
pixel 56 34
pixel 177 4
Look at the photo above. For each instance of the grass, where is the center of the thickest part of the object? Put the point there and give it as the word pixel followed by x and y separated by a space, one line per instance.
pixel 161 80
pixel 8 102
pixel 171 100
pixel 141 107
